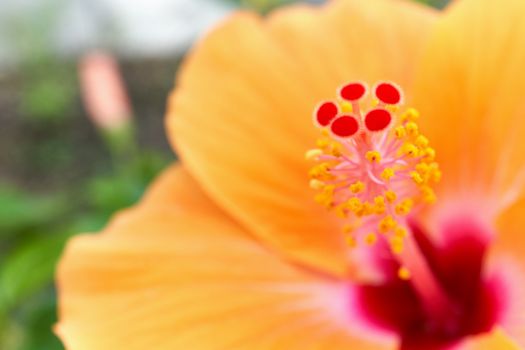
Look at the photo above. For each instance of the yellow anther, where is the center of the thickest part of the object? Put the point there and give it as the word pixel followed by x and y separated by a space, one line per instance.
pixel 357 187
pixel 390 196
pixel 412 129
pixel 387 174
pixel 319 171
pixel 355 205
pixel 373 156
pixel 404 207
pixel 423 168
pixel 368 209
pixel 316 184
pixel 348 228
pixel 323 143
pixel 392 108
pixel 326 196
pixel 336 149
pixel 346 107
pixel 417 178
pixel 400 132
pixel 329 189
pixel 351 241
pixel 371 238
pixel 422 141
pixel 410 150
pixel 379 200
pixel 428 195
pixel 342 211
pixel 429 153
pixel 434 166
pixel 410 115
pixel 396 245
pixel 380 207
pixel 400 232
pixel 386 224
pixel 313 154
pixel 403 273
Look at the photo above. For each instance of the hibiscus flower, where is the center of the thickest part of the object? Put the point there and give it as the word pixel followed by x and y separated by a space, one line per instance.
pixel 405 241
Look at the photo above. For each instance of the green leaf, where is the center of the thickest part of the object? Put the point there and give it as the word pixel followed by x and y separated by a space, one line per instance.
pixel 29 268
pixel 20 210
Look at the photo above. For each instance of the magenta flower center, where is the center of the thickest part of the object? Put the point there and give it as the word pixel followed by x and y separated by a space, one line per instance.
pixel 476 300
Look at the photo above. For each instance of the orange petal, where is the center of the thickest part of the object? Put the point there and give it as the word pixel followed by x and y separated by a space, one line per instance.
pixel 495 340
pixel 471 93
pixel 510 249
pixel 176 273
pixel 241 114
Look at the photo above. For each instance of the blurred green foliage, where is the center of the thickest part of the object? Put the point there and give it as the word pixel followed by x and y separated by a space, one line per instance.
pixel 35 228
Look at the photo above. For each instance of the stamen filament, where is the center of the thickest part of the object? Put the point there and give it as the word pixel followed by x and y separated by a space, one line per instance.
pixel 374 169
pixel 434 299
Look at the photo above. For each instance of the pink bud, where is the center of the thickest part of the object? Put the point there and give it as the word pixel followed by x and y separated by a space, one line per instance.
pixel 103 91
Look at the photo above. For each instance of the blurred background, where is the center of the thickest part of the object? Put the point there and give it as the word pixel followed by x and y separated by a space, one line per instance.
pixel 83 85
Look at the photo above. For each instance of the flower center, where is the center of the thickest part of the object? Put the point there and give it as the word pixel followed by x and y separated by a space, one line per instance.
pixel 477 298
pixel 373 166
pixel 375 170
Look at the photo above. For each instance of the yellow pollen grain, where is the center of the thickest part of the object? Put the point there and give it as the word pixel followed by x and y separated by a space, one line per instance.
pixel 371 238
pixel 423 168
pixel 313 154
pixel 390 196
pixel 323 143
pixel 336 149
pixel 342 211
pixel 319 171
pixel 410 150
pixel 400 132
pixel 392 108
pixel 357 187
pixel 351 241
pixel 416 177
pixel 373 156
pixel 403 273
pixel 396 245
pixel 387 224
pixel 412 129
pixel 387 174
pixel 348 228
pixel 380 206
pixel 410 115
pixel 368 209
pixel 429 153
pixel 326 196
pixel 379 200
pixel 428 195
pixel 404 207
pixel 316 184
pixel 346 107
pixel 355 205
pixel 400 232
pixel 422 141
